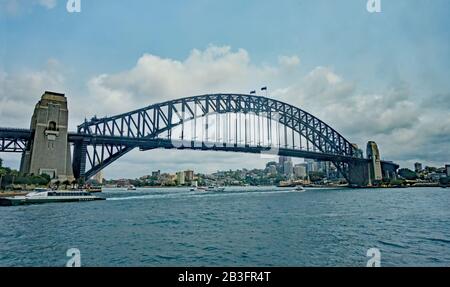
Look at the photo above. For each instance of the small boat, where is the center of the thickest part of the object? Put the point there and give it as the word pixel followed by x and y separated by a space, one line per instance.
pixel 48 196
pixel 300 189
pixel 286 185
pixel 194 186
pixel 131 187
pixel 210 188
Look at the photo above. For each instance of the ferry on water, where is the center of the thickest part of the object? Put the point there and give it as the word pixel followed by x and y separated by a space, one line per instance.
pixel 47 196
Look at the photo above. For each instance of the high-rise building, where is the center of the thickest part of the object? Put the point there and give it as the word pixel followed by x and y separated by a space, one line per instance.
pixel 418 167
pixel 189 175
pixel 281 160
pixel 322 166
pixel 156 174
pixel 99 177
pixel 311 165
pixel 180 178
pixel 447 170
pixel 288 168
pixel 300 171
pixel 285 164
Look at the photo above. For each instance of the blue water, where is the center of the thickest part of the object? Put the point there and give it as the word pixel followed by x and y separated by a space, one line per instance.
pixel 239 227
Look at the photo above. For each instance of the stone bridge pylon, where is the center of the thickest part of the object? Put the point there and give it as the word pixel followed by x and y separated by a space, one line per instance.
pixel 48 151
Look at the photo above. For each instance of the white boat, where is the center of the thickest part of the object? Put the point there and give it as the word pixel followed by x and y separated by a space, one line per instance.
pixel 131 187
pixel 208 188
pixel 47 196
pixel 194 186
pixel 300 189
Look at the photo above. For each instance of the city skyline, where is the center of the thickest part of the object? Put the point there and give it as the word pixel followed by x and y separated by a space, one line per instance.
pixel 384 78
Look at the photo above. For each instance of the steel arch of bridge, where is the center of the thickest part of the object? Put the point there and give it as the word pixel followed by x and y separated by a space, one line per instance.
pixel 112 137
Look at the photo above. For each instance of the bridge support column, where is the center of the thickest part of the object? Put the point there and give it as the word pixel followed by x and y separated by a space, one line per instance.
pixel 79 159
pixel 359 173
pixel 48 151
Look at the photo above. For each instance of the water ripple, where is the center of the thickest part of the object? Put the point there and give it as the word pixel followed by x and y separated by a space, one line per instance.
pixel 239 227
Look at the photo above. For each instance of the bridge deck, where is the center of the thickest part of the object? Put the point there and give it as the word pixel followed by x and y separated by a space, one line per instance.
pixel 147 144
pixel 15 139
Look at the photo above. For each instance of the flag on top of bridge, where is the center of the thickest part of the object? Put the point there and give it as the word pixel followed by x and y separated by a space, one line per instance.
pixel 252 92
pixel 264 89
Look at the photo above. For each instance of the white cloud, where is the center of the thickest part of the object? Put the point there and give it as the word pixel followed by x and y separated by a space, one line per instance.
pixel 152 79
pixel 289 61
pixel 19 92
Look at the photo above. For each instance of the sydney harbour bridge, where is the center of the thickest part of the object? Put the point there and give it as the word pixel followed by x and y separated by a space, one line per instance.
pixel 214 122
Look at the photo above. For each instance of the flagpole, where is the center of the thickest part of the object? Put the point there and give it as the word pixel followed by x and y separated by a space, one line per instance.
pixel 264 89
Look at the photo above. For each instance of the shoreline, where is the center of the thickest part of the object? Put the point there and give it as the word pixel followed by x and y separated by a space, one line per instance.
pixel 4 194
pixel 306 186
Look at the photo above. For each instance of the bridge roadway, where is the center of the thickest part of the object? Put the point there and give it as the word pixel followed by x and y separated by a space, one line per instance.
pixel 13 133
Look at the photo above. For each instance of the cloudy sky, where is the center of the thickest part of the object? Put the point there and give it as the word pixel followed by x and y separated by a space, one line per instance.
pixel 381 76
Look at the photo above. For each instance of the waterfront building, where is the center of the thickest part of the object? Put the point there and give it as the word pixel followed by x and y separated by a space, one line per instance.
pixel 168 179
pixel 300 171
pixel 189 175
pixel 311 165
pixel 271 169
pixel 325 167
pixel 435 176
pixel 99 177
pixel 418 167
pixel 447 170
pixel 156 174
pixel 285 165
pixel 180 178
pixel 282 159
pixel 322 166
pixel 288 168
pixel 123 182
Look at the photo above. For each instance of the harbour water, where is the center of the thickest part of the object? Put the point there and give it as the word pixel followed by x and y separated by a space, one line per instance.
pixel 239 227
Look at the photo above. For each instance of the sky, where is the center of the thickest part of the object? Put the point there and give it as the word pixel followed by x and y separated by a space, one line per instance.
pixel 371 76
